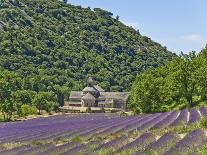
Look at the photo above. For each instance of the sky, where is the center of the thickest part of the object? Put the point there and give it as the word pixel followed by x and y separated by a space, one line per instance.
pixel 180 25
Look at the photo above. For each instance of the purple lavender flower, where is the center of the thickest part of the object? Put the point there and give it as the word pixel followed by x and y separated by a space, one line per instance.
pixel 154 121
pixel 163 144
pixel 35 149
pixel 194 116
pixel 60 149
pixel 203 111
pixel 75 150
pixel 167 121
pixel 16 149
pixel 189 143
pixel 182 118
pixel 139 144
pixel 113 143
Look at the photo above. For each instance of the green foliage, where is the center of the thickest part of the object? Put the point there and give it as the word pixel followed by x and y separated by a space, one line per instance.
pixel 9 83
pixel 48 49
pixel 27 110
pixel 17 98
pixel 88 110
pixel 36 143
pixel 103 110
pixel 23 98
pixel 76 139
pixel 203 123
pixel 203 150
pixel 56 44
pixel 179 84
pixel 137 110
pixel 104 151
pixel 123 114
pixel 44 101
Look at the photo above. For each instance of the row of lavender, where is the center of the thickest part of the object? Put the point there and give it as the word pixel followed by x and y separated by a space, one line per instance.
pixel 147 143
pixel 87 127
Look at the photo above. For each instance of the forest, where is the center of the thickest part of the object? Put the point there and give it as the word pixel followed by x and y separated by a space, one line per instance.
pixel 180 84
pixel 49 49
pixel 61 42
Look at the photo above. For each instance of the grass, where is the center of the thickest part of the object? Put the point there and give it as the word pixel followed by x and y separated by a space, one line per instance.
pixel 203 150
pixel 77 139
pixel 104 152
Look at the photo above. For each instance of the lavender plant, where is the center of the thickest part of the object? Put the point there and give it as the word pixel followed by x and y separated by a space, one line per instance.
pixel 167 121
pixel 203 111
pixel 182 118
pixel 138 144
pixel 163 144
pixel 189 143
pixel 194 116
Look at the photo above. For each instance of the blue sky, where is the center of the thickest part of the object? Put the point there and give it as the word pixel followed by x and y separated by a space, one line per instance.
pixel 181 25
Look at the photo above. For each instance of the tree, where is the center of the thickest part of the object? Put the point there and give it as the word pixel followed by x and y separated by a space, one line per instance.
pixel 188 76
pixel 16 2
pixel 9 83
pixel 43 101
pixel 117 17
pixel 181 83
pixel 65 1
pixel 22 97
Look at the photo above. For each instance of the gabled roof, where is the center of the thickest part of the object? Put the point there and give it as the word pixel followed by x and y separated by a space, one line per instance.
pixel 88 96
pixel 114 95
pixel 89 89
pixel 75 94
pixel 98 88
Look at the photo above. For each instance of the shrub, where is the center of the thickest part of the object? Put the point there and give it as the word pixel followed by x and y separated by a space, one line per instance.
pixel 27 110
pixel 123 114
pixel 76 139
pixel 36 143
pixel 88 110
pixel 56 108
pixel 137 110
pixel 103 110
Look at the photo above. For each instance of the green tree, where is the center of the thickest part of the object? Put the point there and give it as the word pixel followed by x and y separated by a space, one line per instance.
pixel 188 76
pixel 43 101
pixel 22 97
pixel 65 1
pixel 180 83
pixel 9 83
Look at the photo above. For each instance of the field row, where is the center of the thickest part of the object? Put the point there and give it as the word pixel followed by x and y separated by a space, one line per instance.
pixel 105 133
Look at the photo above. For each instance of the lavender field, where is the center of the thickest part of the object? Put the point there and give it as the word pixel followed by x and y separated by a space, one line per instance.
pixel 177 132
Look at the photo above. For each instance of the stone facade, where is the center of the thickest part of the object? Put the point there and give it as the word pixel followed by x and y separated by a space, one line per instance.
pixel 94 96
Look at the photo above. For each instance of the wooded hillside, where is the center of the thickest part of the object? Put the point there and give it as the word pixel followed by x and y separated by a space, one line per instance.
pixel 61 44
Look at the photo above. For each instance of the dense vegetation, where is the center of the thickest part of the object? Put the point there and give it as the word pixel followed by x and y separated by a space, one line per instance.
pixel 52 47
pixel 21 96
pixel 60 44
pixel 181 83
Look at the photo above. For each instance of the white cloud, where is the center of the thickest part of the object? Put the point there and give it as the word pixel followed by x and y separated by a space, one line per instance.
pixel 132 24
pixel 192 38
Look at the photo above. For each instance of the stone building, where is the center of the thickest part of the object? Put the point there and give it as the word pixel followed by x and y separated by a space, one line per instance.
pixel 94 96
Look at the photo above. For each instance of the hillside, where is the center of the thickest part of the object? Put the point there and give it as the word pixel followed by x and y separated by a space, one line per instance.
pixel 61 44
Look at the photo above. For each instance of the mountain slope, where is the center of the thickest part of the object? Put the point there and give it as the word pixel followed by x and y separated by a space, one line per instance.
pixel 61 44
